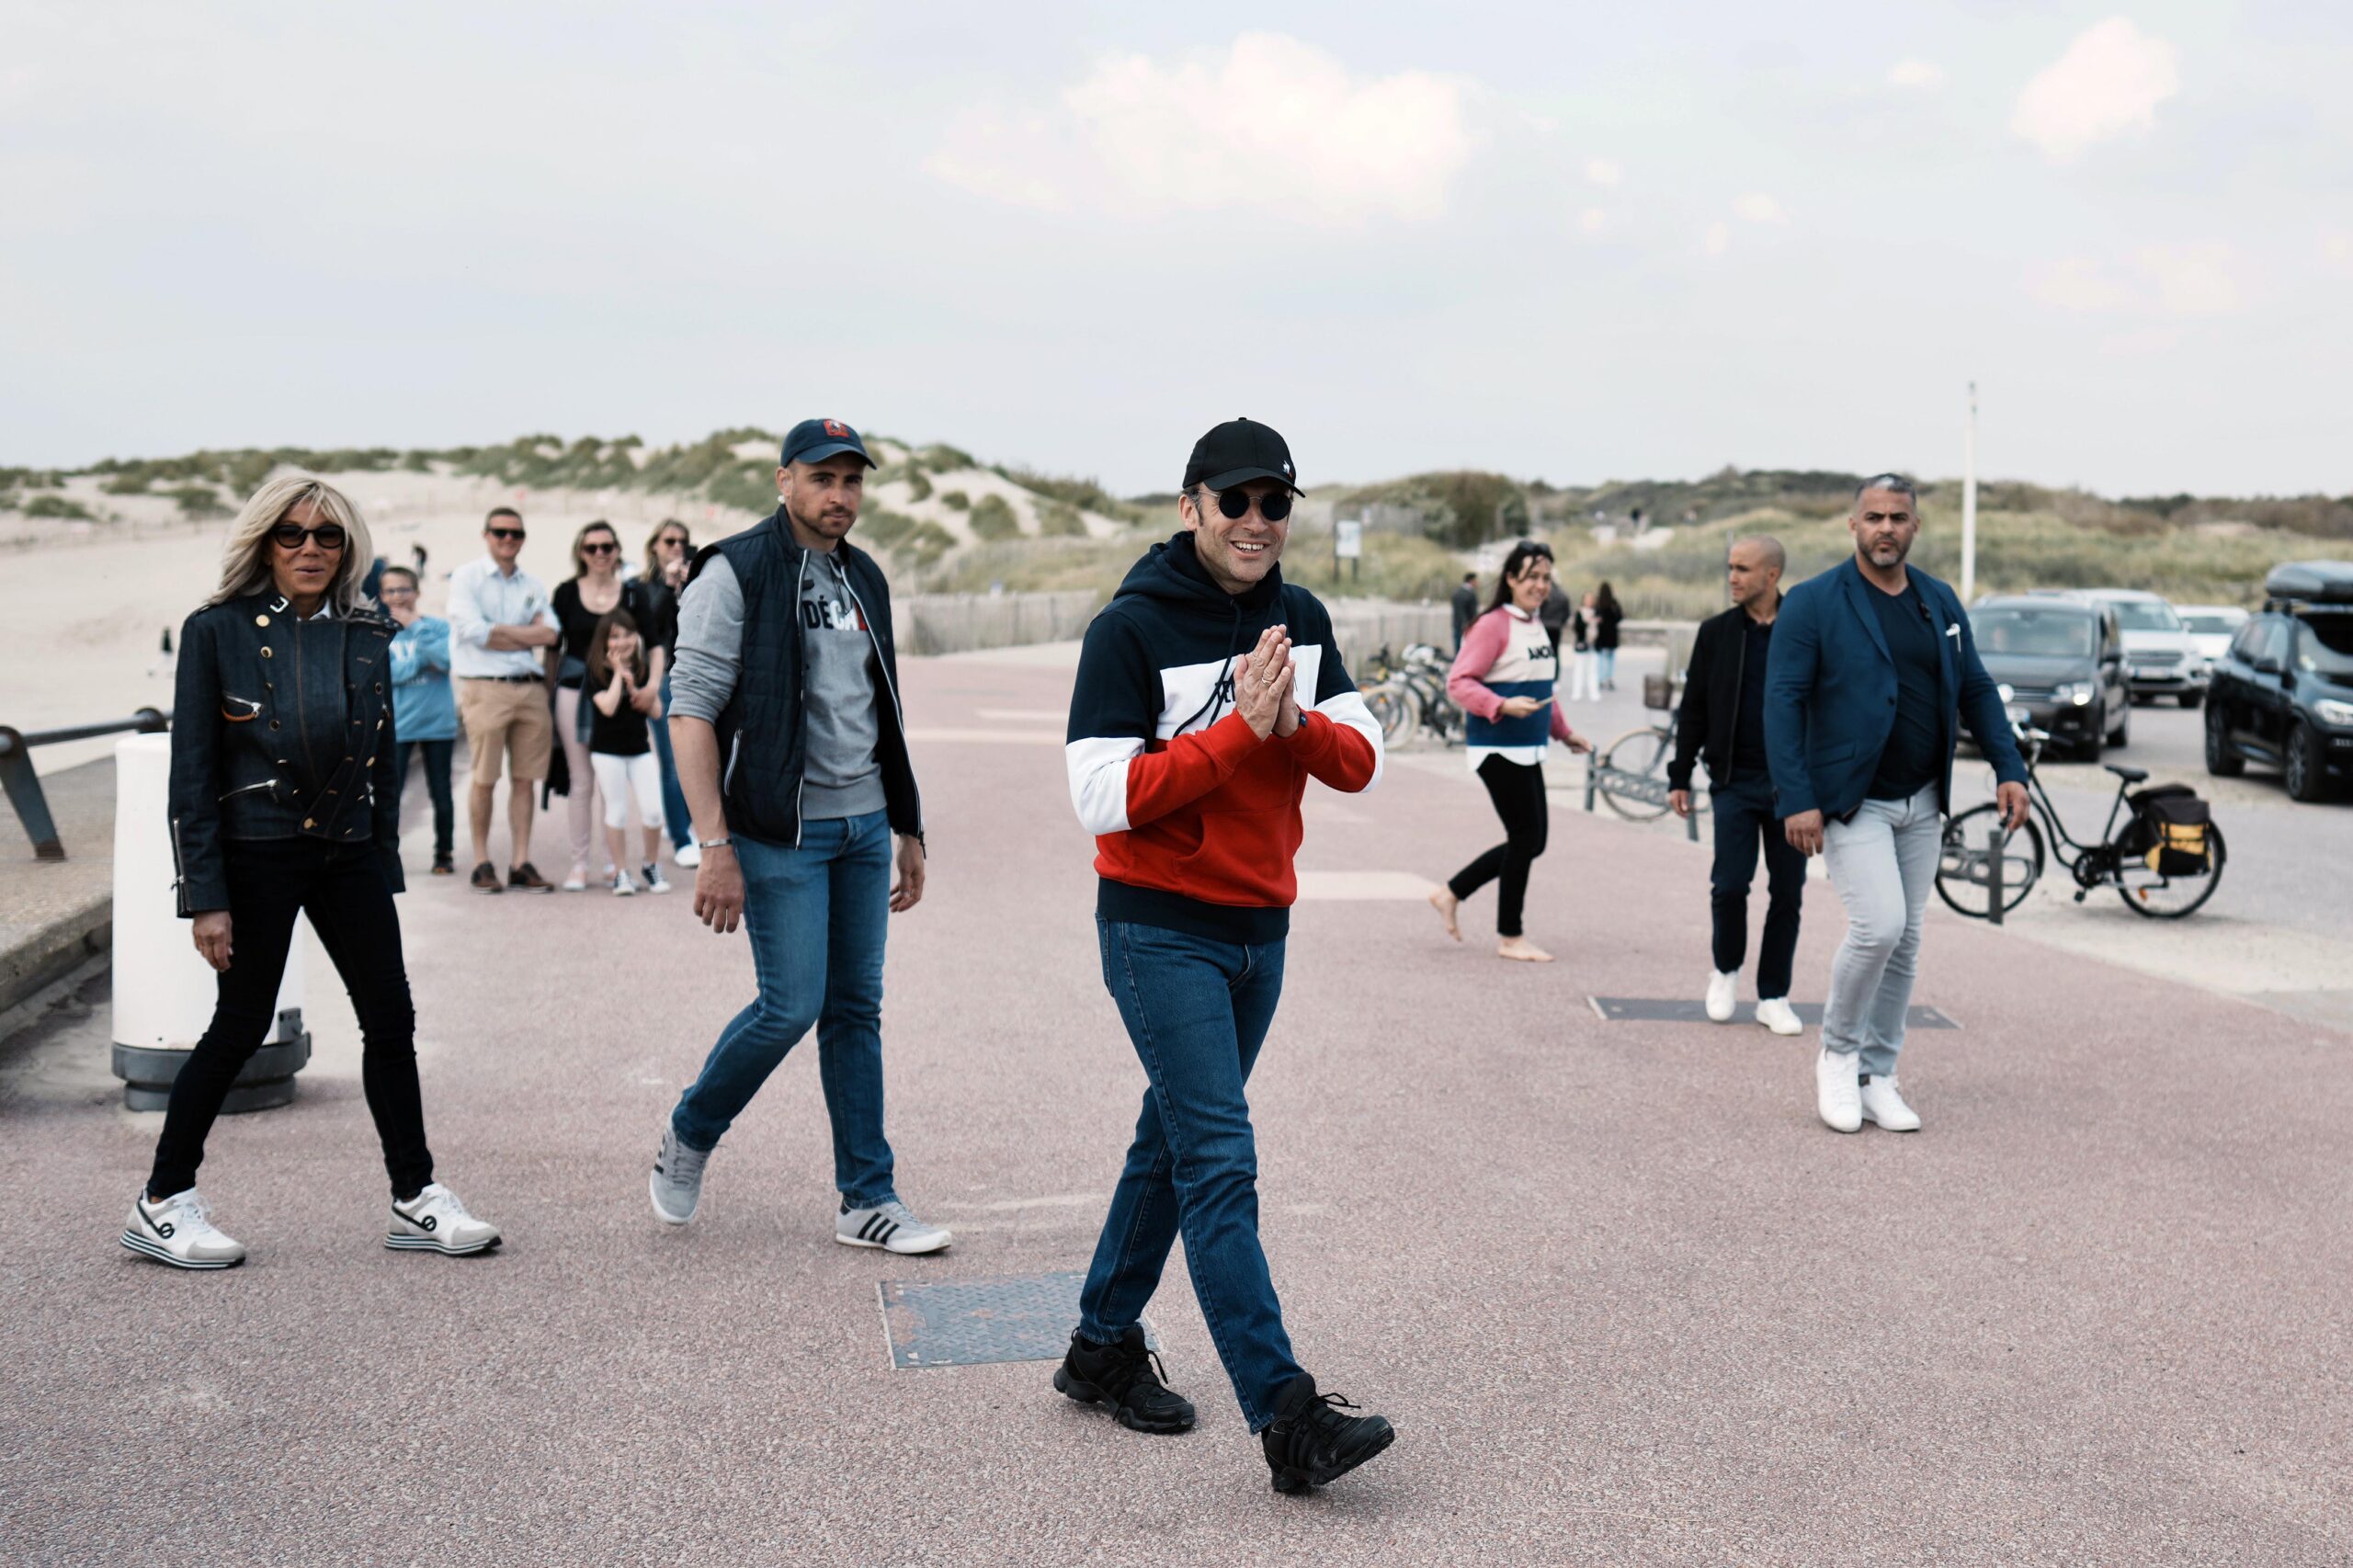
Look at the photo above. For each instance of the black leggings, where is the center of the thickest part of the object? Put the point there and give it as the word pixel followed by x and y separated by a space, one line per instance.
pixel 1518 789
pixel 342 888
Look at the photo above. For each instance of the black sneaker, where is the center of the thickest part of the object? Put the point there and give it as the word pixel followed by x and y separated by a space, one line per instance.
pixel 443 866
pixel 1312 1442
pixel 1129 1378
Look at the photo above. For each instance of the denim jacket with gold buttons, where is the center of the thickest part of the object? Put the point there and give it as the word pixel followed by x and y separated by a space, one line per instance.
pixel 281 728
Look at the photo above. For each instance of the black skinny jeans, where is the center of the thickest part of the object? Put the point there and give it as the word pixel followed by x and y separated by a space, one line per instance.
pixel 1518 791
pixel 341 887
pixel 438 756
pixel 1745 821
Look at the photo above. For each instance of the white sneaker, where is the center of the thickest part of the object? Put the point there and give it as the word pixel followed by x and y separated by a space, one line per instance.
pixel 675 1186
pixel 622 886
pixel 654 880
pixel 179 1230
pixel 891 1226
pixel 577 882
pixel 1775 1014
pixel 1836 1093
pixel 1722 998
pixel 434 1221
pixel 1882 1104
pixel 688 855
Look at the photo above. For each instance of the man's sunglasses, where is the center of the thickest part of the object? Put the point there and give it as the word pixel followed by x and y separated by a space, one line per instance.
pixel 1235 504
pixel 606 548
pixel 293 536
pixel 504 533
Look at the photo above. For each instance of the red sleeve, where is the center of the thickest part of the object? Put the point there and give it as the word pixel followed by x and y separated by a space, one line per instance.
pixel 1161 781
pixel 1335 754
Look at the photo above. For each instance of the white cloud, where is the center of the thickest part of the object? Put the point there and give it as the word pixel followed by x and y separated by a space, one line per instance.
pixel 1718 239
pixel 1270 123
pixel 1604 171
pixel 1593 220
pixel 1759 208
pixel 2109 84
pixel 1916 74
pixel 2201 279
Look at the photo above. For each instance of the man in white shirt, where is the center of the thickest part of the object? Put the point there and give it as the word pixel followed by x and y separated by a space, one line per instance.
pixel 502 652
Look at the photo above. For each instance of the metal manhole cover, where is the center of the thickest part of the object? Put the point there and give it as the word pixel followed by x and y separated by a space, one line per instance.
pixel 1690 1010
pixel 967 1323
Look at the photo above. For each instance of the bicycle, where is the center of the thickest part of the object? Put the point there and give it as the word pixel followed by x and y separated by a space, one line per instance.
pixel 1408 695
pixel 1636 761
pixel 2125 859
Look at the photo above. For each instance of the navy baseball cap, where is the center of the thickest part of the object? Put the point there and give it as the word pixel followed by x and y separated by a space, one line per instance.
pixel 815 440
pixel 1238 451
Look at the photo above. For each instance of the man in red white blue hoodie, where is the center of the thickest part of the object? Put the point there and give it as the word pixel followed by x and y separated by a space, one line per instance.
pixel 1209 693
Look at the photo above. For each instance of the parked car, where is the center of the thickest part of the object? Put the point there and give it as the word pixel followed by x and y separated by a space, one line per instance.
pixel 2211 627
pixel 2283 693
pixel 2062 661
pixel 2160 656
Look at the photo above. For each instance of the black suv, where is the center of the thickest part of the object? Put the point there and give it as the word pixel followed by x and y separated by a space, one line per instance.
pixel 2282 695
pixel 2062 661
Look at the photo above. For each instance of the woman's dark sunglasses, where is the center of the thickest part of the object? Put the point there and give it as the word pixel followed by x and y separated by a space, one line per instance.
pixel 293 536
pixel 605 547
pixel 1236 504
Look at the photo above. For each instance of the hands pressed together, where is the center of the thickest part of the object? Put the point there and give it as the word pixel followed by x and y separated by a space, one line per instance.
pixel 1264 686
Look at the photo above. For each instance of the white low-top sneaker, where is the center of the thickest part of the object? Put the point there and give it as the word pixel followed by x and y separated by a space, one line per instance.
pixel 1836 1093
pixel 675 1186
pixel 688 856
pixel 1722 994
pixel 1882 1104
pixel 435 1221
pixel 891 1226
pixel 179 1230
pixel 654 880
pixel 1775 1014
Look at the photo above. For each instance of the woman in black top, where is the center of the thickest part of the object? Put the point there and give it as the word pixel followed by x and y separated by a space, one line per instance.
pixel 669 553
pixel 1606 616
pixel 281 733
pixel 581 602
pixel 620 747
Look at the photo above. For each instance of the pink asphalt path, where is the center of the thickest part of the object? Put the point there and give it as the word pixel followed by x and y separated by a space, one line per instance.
pixel 1626 1299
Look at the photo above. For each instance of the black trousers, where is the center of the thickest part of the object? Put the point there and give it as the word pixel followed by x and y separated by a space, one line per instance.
pixel 342 888
pixel 1744 817
pixel 438 756
pixel 1518 791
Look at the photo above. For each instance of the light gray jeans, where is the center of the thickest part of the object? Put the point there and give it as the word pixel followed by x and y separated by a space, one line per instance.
pixel 1884 866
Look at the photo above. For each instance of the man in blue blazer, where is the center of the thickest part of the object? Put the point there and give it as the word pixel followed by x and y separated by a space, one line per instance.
pixel 1873 663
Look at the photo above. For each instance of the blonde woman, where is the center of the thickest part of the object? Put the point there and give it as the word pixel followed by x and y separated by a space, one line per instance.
pixel 283 741
pixel 594 591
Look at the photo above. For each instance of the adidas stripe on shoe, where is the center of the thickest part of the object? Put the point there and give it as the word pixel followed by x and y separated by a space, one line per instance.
pixel 890 1225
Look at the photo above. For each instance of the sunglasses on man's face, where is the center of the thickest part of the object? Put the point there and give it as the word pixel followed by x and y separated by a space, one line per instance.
pixel 293 536
pixel 1236 504
pixel 504 533
pixel 606 548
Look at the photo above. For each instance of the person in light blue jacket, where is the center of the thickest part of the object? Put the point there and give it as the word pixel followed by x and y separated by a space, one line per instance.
pixel 425 711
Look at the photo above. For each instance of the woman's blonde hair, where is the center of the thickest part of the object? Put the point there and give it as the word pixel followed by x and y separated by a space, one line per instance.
pixel 245 563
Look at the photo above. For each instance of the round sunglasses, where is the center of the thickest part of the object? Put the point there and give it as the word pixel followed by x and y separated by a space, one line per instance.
pixel 293 536
pixel 1235 504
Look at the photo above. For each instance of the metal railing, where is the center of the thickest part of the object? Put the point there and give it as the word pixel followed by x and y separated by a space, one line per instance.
pixel 24 785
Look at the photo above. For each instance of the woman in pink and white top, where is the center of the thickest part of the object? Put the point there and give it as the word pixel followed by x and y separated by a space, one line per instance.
pixel 1502 680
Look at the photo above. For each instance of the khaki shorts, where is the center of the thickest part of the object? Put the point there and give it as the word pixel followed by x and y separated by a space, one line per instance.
pixel 509 716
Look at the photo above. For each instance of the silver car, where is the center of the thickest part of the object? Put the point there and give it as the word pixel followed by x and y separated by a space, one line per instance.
pixel 2161 656
pixel 2211 627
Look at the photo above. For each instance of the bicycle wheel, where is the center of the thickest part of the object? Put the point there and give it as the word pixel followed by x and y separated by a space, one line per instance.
pixel 1397 709
pixel 2169 898
pixel 1965 863
pixel 1644 753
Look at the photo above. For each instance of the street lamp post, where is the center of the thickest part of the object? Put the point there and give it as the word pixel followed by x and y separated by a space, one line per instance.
pixel 1968 504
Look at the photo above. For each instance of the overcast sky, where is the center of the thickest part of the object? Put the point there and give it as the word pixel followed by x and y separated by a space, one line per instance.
pixel 1579 243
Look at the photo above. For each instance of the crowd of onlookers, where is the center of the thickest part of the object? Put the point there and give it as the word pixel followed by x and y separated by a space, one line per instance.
pixel 1589 627
pixel 566 691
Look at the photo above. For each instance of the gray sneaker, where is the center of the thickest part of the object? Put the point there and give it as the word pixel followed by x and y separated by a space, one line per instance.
pixel 891 1226
pixel 676 1185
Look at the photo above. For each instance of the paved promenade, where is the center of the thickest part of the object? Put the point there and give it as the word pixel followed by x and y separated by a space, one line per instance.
pixel 1624 1297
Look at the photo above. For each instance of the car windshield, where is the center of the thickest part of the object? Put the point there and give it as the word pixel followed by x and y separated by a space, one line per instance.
pixel 2210 625
pixel 2145 615
pixel 2040 634
pixel 2327 646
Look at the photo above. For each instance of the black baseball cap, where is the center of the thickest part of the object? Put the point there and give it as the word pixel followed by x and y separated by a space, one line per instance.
pixel 1238 451
pixel 815 440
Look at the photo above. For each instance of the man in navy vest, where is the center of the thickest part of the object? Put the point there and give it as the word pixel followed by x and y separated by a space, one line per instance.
pixel 785 720
pixel 1871 663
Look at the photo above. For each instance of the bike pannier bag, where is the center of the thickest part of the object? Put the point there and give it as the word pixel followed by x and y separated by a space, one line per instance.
pixel 2173 822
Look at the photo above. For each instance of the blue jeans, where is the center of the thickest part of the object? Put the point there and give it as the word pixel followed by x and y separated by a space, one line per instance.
pixel 816 916
pixel 1744 816
pixel 675 815
pixel 1604 664
pixel 1197 1012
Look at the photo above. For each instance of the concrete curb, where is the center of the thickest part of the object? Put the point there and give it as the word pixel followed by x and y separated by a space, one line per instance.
pixel 54 950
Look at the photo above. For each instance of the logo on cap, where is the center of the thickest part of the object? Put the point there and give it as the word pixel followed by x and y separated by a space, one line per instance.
pixel 836 429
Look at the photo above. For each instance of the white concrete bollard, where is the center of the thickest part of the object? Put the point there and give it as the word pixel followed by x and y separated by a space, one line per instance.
pixel 163 990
